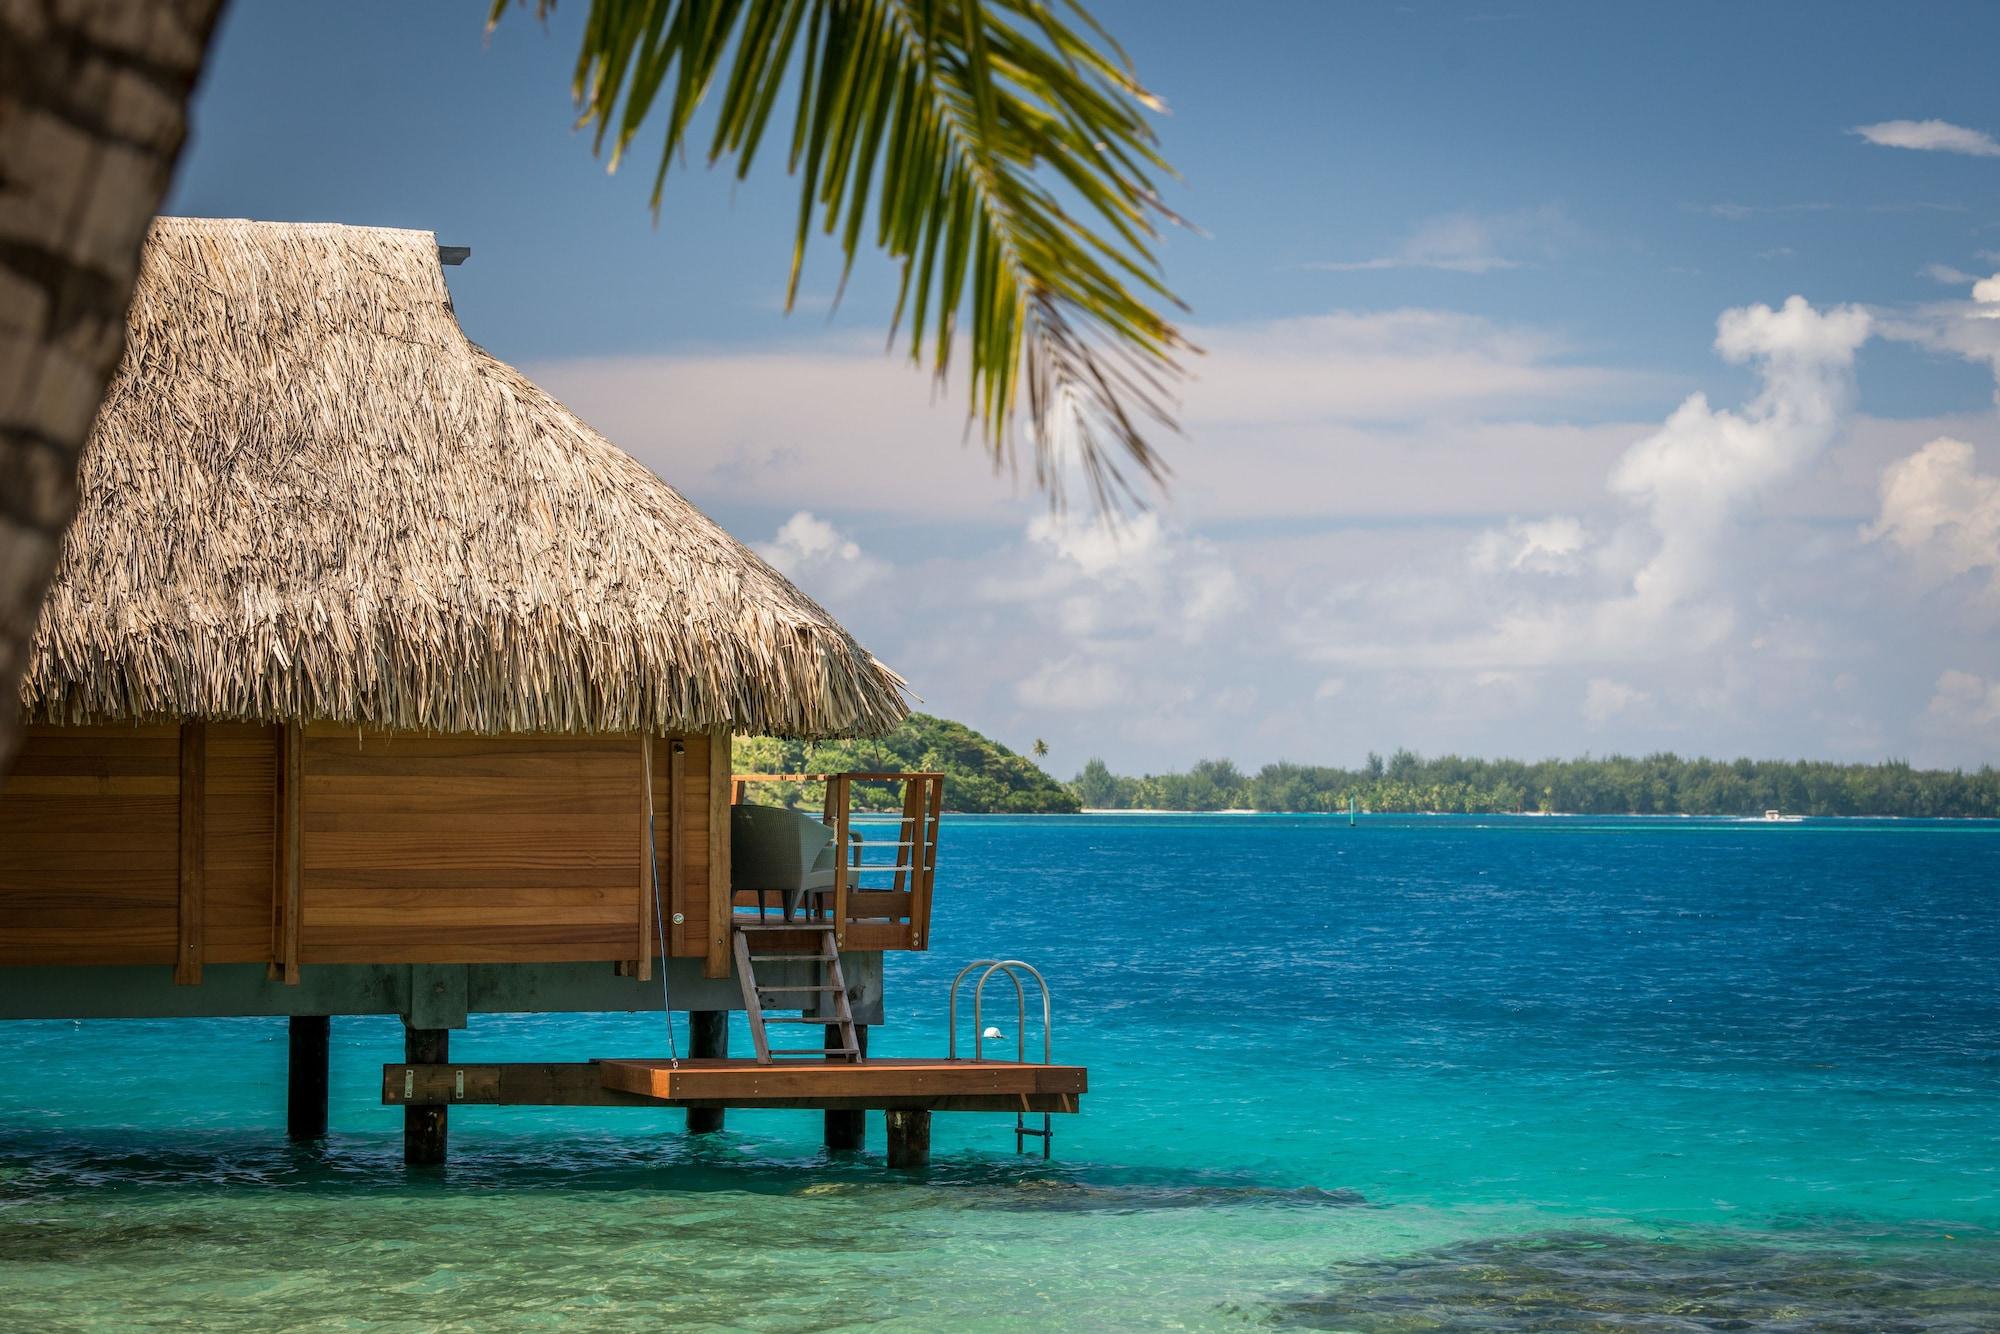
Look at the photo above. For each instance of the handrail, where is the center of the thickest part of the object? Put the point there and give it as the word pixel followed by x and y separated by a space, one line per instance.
pixel 1022 1134
pixel 1008 967
pixel 856 775
pixel 908 872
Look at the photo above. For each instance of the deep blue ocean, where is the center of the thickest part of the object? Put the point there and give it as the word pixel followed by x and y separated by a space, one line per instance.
pixel 1420 1073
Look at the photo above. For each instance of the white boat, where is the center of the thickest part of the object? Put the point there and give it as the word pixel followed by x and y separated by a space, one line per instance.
pixel 1776 816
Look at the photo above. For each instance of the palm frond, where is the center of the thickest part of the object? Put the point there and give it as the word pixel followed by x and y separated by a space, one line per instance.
pixel 1003 150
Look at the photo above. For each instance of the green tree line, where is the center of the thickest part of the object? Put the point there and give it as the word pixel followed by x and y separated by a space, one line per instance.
pixel 1662 784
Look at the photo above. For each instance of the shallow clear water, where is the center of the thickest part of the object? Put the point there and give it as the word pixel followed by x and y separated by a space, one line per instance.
pixel 1425 1073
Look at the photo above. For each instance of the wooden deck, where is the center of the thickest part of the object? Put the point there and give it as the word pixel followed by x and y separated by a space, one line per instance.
pixel 889 1085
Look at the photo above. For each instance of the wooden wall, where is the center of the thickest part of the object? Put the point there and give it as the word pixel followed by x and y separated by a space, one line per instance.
pixel 703 928
pixel 409 848
pixel 240 842
pixel 89 847
pixel 469 849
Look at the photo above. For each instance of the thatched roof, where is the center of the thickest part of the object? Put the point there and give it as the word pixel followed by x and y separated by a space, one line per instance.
pixel 309 497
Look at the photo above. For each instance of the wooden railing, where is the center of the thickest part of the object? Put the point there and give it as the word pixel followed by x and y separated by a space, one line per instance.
pixel 893 912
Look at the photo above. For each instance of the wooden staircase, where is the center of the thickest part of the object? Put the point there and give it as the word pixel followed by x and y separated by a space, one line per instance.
pixel 822 1001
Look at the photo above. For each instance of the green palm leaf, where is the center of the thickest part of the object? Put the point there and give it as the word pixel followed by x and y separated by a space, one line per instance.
pixel 1002 150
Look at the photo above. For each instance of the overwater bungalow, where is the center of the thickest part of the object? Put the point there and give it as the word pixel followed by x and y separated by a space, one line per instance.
pixel 373 681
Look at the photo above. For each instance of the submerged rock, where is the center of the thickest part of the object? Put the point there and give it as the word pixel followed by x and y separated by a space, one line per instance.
pixel 1604 1281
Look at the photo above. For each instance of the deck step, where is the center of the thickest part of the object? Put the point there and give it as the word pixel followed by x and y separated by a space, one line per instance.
pixel 835 1013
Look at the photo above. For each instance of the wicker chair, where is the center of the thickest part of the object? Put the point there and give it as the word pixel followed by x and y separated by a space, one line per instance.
pixel 782 852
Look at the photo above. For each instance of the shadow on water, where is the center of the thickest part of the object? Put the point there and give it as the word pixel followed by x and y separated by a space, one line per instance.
pixel 41 1168
pixel 1829 1279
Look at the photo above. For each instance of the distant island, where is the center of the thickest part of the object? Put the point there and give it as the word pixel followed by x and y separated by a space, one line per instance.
pixel 983 776
pixel 1663 784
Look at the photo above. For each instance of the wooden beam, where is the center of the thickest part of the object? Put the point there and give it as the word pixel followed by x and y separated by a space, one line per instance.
pixel 746 1083
pixel 838 799
pixel 675 870
pixel 518 1084
pixel 193 852
pixel 715 961
pixel 930 790
pixel 642 963
pixel 285 856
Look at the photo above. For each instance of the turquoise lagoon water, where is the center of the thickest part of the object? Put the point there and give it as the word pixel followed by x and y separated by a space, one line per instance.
pixel 1423 1073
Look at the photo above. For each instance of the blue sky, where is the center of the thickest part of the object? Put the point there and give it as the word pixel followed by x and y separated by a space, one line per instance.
pixel 1460 269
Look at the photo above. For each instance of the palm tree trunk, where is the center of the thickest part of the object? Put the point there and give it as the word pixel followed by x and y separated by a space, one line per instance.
pixel 93 111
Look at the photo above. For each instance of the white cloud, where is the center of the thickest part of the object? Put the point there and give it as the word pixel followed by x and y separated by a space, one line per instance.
pixel 1932 136
pixel 1128 582
pixel 1938 507
pixel 1472 243
pixel 1293 416
pixel 1663 583
pixel 1391 365
pixel 1101 550
pixel 1698 472
pixel 1734 212
pixel 1604 699
pixel 820 559
pixel 1965 706
pixel 1073 684
pixel 1968 329
pixel 1452 568
pixel 1235 699
pixel 1542 546
pixel 1945 273
pixel 1730 211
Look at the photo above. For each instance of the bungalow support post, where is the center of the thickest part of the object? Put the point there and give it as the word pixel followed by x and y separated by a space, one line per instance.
pixel 306 1077
pixel 909 1138
pixel 708 1038
pixel 847 1130
pixel 425 1128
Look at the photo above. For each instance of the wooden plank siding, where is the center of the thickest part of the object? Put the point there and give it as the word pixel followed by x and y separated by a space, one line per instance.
pixel 239 812
pixel 685 849
pixel 287 870
pixel 713 913
pixel 458 849
pixel 90 847
pixel 188 846
pixel 641 966
pixel 192 842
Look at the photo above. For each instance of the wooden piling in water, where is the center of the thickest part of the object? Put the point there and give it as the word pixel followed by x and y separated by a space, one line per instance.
pixel 847 1128
pixel 306 1076
pixel 708 1036
pixel 909 1138
pixel 425 1129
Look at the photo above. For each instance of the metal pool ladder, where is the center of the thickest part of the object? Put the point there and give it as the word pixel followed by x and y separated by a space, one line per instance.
pixel 1013 969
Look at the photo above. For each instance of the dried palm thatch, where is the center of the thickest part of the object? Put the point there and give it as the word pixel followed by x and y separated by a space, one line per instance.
pixel 309 497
